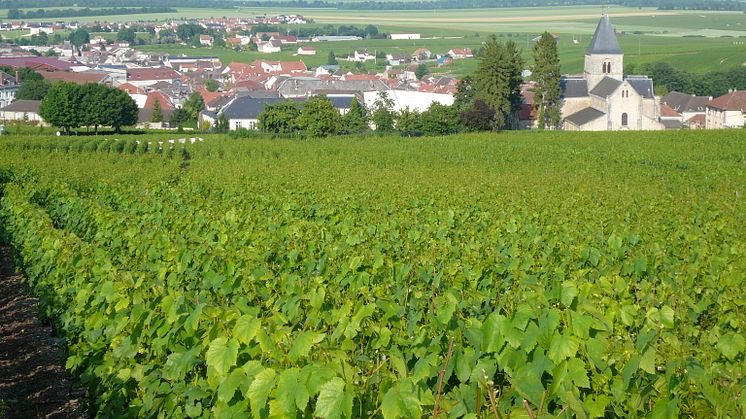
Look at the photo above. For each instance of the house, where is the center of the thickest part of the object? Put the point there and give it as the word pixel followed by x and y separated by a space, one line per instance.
pixel 242 112
pixel 460 53
pixel 360 56
pixel 79 77
pixel 38 64
pixel 270 47
pixel 148 76
pixel 603 99
pixel 403 36
pixel 335 38
pixel 306 51
pixel 285 39
pixel 726 111
pixel 398 59
pixel 421 54
pixel 8 87
pixel 298 87
pixel 206 40
pixel 22 110
pixel 327 69
pixel 691 107
pixel 670 118
pixel 414 100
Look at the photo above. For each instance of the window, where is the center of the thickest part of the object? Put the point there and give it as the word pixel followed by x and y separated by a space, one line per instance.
pixel 624 119
pixel 606 67
pixel 238 124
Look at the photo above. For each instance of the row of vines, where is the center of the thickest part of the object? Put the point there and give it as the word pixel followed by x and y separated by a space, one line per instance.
pixel 476 277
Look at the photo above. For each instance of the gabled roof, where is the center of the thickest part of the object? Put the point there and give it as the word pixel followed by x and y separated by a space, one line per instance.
pixel 669 112
pixel 604 40
pixel 584 116
pixel 78 78
pixel 247 107
pixel 642 85
pixel 733 101
pixel 23 106
pixel 605 87
pixel 574 87
pixel 682 102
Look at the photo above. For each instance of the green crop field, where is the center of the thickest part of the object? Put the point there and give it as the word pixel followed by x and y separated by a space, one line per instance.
pixel 493 275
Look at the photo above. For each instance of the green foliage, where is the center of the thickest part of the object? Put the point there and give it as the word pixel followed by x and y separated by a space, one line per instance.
pixel 421 71
pixel 280 118
pixel 331 59
pixel 222 125
pixel 179 116
pixel 32 90
pixel 409 122
pixel 498 81
pixel 382 113
pixel 212 85
pixel 440 120
pixel 355 121
pixel 126 35
pixel 194 105
pixel 61 106
pixel 546 73
pixel 319 118
pixel 585 275
pixel 157 115
pixel 189 32
pixel 79 37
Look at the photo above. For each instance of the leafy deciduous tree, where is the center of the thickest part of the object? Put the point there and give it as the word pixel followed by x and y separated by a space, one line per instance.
pixel 280 118
pixel 319 117
pixel 356 119
pixel 382 113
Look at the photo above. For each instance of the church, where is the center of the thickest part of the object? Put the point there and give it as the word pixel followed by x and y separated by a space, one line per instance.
pixel 603 98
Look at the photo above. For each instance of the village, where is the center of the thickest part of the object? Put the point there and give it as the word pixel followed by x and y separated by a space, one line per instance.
pixel 241 90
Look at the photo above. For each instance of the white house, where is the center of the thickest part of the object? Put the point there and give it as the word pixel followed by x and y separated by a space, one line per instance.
pixel 414 100
pixel 206 40
pixel 727 111
pixel 361 56
pixel 306 51
pixel 400 36
pixel 22 110
pixel 603 99
pixel 270 47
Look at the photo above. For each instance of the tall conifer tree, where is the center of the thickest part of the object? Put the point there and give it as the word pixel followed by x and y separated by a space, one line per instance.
pixel 546 74
pixel 498 81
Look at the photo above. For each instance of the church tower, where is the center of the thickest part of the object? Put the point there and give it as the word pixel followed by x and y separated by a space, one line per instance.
pixel 603 57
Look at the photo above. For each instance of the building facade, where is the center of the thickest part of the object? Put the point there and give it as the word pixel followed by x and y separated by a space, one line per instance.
pixel 603 98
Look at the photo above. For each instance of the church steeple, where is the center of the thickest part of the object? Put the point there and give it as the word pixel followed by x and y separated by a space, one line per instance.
pixel 603 57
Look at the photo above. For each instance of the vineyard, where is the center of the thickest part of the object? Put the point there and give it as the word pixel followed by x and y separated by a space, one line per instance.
pixel 497 275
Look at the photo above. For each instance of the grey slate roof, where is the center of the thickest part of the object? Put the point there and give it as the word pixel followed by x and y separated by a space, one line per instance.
pixel 642 85
pixel 247 107
pixel 682 102
pixel 23 106
pixel 302 86
pixel 605 87
pixel 604 40
pixel 584 116
pixel 574 87
pixel 671 124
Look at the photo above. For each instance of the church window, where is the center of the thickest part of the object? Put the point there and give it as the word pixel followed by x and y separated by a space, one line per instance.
pixel 606 67
pixel 625 119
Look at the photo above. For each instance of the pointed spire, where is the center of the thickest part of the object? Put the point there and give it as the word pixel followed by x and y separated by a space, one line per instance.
pixel 604 40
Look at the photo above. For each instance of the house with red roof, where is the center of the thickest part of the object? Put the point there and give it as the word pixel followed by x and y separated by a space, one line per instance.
pixel 727 111
pixel 460 53
pixel 148 76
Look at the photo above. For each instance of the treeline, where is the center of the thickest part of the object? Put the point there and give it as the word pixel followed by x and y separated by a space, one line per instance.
pixel 669 79
pixel 382 5
pixel 369 31
pixel 69 105
pixel 57 13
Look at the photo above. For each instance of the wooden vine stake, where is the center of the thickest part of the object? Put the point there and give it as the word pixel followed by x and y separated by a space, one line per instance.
pixel 441 374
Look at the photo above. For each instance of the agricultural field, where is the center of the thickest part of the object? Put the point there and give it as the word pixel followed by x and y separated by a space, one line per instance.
pixel 501 274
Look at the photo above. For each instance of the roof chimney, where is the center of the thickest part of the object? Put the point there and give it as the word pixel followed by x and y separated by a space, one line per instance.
pixel 18 76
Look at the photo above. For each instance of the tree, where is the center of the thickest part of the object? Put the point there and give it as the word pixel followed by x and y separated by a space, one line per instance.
pixel 421 71
pixel 32 90
pixel 194 105
pixel 157 112
pixel 546 74
pixel 408 122
pixel 464 97
pixel 61 106
pixel 211 85
pixel 119 109
pixel 478 117
pixel 382 112
pixel 371 31
pixel 319 117
pixel 93 105
pixel 178 117
pixel 498 80
pixel 222 125
pixel 355 120
pixel 79 37
pixel 188 31
pixel 280 118
pixel 440 119
pixel 331 59
pixel 126 35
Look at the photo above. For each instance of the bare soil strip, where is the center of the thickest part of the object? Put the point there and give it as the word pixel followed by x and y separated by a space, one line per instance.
pixel 491 19
pixel 33 380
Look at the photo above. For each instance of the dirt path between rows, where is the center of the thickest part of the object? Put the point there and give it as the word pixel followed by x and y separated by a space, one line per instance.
pixel 33 380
